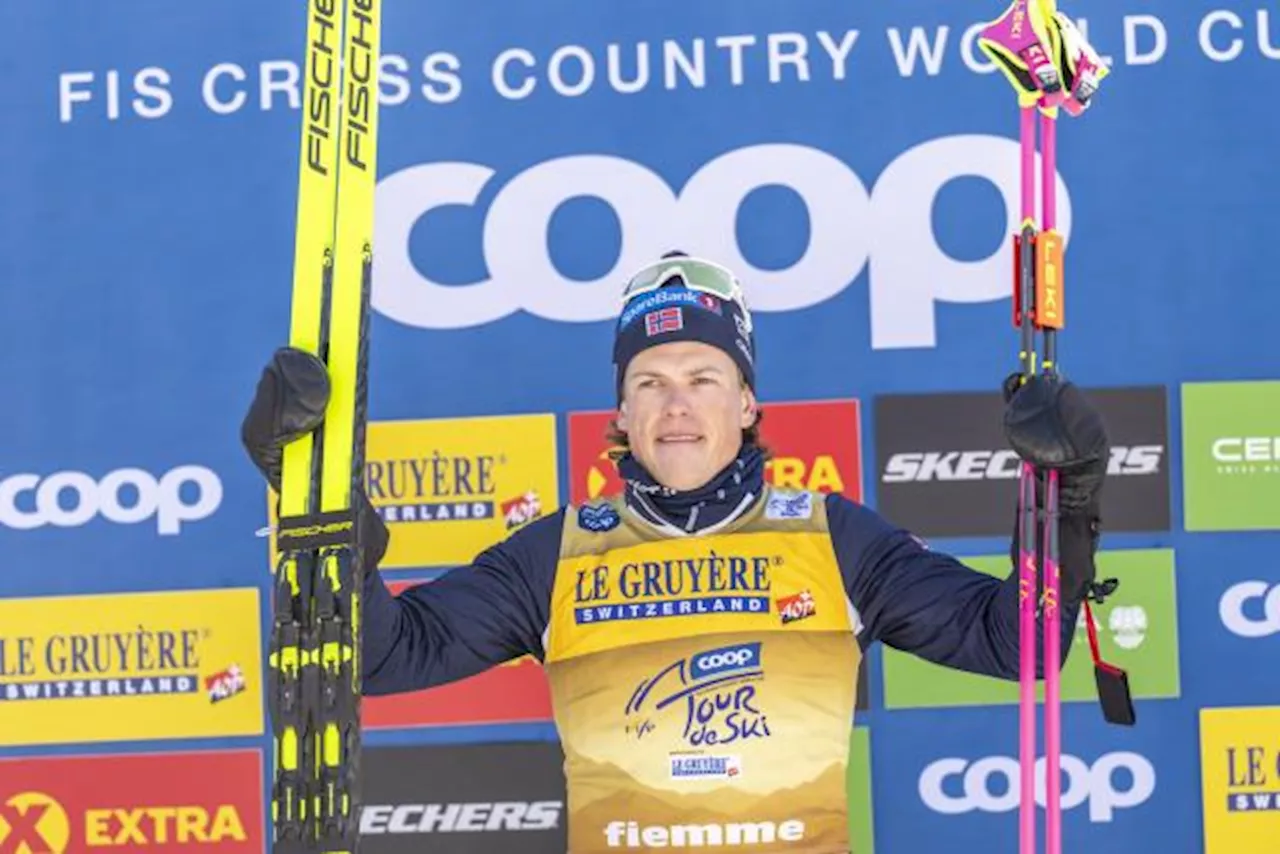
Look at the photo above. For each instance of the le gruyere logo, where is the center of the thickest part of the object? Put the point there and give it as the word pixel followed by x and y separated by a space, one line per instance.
pixel 130 666
pixel 1240 779
pixel 479 478
pixel 712 583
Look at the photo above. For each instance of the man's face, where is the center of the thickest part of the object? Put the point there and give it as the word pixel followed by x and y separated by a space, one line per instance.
pixel 683 409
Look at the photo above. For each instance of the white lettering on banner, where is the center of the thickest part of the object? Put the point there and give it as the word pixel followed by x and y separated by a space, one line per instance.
pixel 889 230
pixel 379 819
pixel 1247 449
pixel 1159 38
pixel 162 499
pixel 152 98
pixel 1084 783
pixel 923 466
pixel 629 834
pixel 1231 608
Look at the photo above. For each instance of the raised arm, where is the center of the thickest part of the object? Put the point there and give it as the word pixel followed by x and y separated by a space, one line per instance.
pixel 464 622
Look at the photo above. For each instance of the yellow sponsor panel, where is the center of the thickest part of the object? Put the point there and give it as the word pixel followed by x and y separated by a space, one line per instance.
pixel 449 488
pixel 174 664
pixel 1240 779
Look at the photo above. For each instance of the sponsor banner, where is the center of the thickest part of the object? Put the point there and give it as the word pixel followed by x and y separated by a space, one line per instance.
pixel 954 775
pixel 944 467
pixel 119 667
pixel 1231 455
pixel 1137 630
pixel 202 801
pixel 449 488
pixel 1240 779
pixel 477 799
pixel 164 503
pixel 862 832
pixel 515 692
pixel 816 445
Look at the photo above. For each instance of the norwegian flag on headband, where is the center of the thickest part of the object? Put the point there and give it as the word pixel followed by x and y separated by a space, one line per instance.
pixel 664 320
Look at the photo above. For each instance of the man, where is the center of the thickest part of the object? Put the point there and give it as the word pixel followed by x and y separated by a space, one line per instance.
pixel 702 632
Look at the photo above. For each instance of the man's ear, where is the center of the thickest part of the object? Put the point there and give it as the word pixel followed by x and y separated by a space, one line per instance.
pixel 622 416
pixel 750 408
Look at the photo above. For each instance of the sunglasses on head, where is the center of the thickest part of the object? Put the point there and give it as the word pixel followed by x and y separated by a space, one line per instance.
pixel 697 274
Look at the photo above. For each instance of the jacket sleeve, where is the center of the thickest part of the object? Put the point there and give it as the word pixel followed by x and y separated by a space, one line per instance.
pixel 931 604
pixel 467 620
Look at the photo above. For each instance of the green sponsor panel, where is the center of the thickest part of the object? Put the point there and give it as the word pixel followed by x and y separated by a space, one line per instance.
pixel 1231 456
pixel 1137 630
pixel 861 821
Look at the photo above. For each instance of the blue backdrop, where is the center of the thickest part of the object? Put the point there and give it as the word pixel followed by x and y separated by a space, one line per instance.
pixel 851 160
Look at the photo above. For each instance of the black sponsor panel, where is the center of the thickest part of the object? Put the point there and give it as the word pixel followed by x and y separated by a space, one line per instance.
pixel 864 689
pixel 474 799
pixel 944 468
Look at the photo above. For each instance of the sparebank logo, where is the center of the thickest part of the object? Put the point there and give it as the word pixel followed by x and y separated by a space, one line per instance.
pixel 992 784
pixel 1251 609
pixel 886 228
pixel 1231 455
pixel 126 496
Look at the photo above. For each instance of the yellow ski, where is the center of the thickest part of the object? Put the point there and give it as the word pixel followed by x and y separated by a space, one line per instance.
pixel 314 659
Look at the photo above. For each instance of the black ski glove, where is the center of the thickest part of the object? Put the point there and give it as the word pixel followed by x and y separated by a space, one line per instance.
pixel 1051 424
pixel 289 403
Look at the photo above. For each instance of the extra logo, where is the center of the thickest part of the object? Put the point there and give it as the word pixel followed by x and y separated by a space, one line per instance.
pixel 1251 609
pixel 956 786
pixel 816 447
pixel 715 693
pixel 946 470
pixel 173 801
pixel 127 496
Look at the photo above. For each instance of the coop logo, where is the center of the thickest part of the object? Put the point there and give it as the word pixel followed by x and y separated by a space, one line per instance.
pixel 126 496
pixel 470 817
pixel 726 660
pixel 849 228
pixel 943 466
pixel 1251 609
pixel 955 786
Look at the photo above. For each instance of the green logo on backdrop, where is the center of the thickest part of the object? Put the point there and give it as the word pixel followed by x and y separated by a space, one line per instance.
pixel 1231 455
pixel 861 831
pixel 1137 630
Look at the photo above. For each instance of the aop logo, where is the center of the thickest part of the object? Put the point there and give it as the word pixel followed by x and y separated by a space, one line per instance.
pixel 127 496
pixel 888 228
pixel 33 822
pixel 1259 599
pixel 955 786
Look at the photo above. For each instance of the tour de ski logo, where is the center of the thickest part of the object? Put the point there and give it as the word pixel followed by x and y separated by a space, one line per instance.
pixel 708 699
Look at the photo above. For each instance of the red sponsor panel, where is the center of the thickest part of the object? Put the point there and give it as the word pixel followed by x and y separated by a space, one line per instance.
pixel 206 801
pixel 516 692
pixel 816 445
